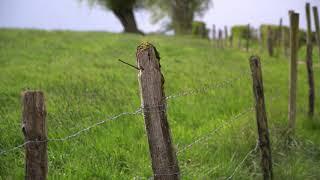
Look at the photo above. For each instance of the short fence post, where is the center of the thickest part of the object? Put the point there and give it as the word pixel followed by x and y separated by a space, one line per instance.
pixel 151 80
pixel 316 24
pixel 294 29
pixel 309 62
pixel 261 116
pixel 34 128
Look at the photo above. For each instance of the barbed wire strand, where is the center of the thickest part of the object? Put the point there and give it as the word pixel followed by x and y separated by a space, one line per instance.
pixel 244 159
pixel 224 123
pixel 74 134
pixel 207 88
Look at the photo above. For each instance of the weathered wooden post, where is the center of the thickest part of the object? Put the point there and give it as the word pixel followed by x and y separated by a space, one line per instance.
pixel 231 40
pixel 248 37
pixel 220 39
pixel 316 24
pixel 261 116
pixel 214 35
pixel 279 37
pixel 34 128
pixel 226 36
pixel 270 41
pixel 153 101
pixel 309 62
pixel 294 29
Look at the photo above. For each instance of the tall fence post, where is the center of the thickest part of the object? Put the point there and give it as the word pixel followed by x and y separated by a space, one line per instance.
pixel 270 41
pixel 34 128
pixel 316 24
pixel 309 62
pixel 153 101
pixel 261 116
pixel 214 35
pixel 248 37
pixel 226 36
pixel 279 37
pixel 220 39
pixel 294 29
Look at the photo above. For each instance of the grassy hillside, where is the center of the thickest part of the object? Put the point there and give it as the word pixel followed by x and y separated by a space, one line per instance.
pixel 84 83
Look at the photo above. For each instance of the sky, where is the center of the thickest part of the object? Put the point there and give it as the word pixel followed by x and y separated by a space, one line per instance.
pixel 79 16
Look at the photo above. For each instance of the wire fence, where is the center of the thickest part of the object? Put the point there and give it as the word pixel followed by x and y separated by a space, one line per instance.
pixel 190 92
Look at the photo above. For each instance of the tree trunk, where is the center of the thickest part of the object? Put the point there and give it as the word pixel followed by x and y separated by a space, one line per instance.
pixel 182 16
pixel 127 19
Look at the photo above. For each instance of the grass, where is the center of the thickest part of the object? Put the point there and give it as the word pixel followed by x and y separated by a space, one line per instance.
pixel 84 83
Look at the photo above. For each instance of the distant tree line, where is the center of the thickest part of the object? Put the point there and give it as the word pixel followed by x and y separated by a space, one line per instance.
pixel 180 12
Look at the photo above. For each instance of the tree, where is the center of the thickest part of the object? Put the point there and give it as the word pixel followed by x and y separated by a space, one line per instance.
pixel 123 10
pixel 181 12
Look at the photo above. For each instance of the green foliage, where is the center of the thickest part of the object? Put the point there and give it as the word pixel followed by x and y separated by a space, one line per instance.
pixel 199 29
pixel 84 83
pixel 240 31
pixel 115 4
pixel 161 9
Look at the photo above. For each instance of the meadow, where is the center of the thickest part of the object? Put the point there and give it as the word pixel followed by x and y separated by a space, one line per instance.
pixel 84 83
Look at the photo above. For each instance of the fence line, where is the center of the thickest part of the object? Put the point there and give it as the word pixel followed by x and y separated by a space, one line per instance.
pixel 190 92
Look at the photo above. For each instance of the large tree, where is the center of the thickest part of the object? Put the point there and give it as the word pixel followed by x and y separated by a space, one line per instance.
pixel 123 10
pixel 180 12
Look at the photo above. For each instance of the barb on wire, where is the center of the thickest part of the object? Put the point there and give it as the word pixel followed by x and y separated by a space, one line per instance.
pixel 74 134
pixel 207 136
pixel 244 159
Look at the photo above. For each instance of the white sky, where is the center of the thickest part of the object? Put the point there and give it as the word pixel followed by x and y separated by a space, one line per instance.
pixel 73 15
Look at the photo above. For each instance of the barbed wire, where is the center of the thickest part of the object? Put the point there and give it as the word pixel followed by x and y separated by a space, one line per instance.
pixel 73 135
pixel 207 88
pixel 244 159
pixel 224 123
pixel 139 110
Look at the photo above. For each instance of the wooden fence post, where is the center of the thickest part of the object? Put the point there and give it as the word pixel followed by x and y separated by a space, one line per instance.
pixel 214 35
pixel 153 101
pixel 248 37
pixel 316 24
pixel 270 41
pixel 261 116
pixel 294 29
pixel 220 39
pixel 309 62
pixel 34 128
pixel 226 36
pixel 279 37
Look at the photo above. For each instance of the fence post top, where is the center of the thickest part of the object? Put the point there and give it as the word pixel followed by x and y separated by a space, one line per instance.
pixel 29 92
pixel 254 58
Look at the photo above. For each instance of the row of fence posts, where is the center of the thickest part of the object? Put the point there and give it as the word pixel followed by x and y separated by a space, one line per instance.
pixel 273 39
pixel 163 156
pixel 153 101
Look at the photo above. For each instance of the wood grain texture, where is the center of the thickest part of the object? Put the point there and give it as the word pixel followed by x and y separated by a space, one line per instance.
pixel 151 81
pixel 316 24
pixel 309 62
pixel 35 129
pixel 294 30
pixel 261 117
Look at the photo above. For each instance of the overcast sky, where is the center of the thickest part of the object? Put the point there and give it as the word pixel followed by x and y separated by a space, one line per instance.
pixel 73 15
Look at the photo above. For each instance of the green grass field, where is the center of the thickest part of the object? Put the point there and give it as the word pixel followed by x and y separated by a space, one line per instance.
pixel 84 83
